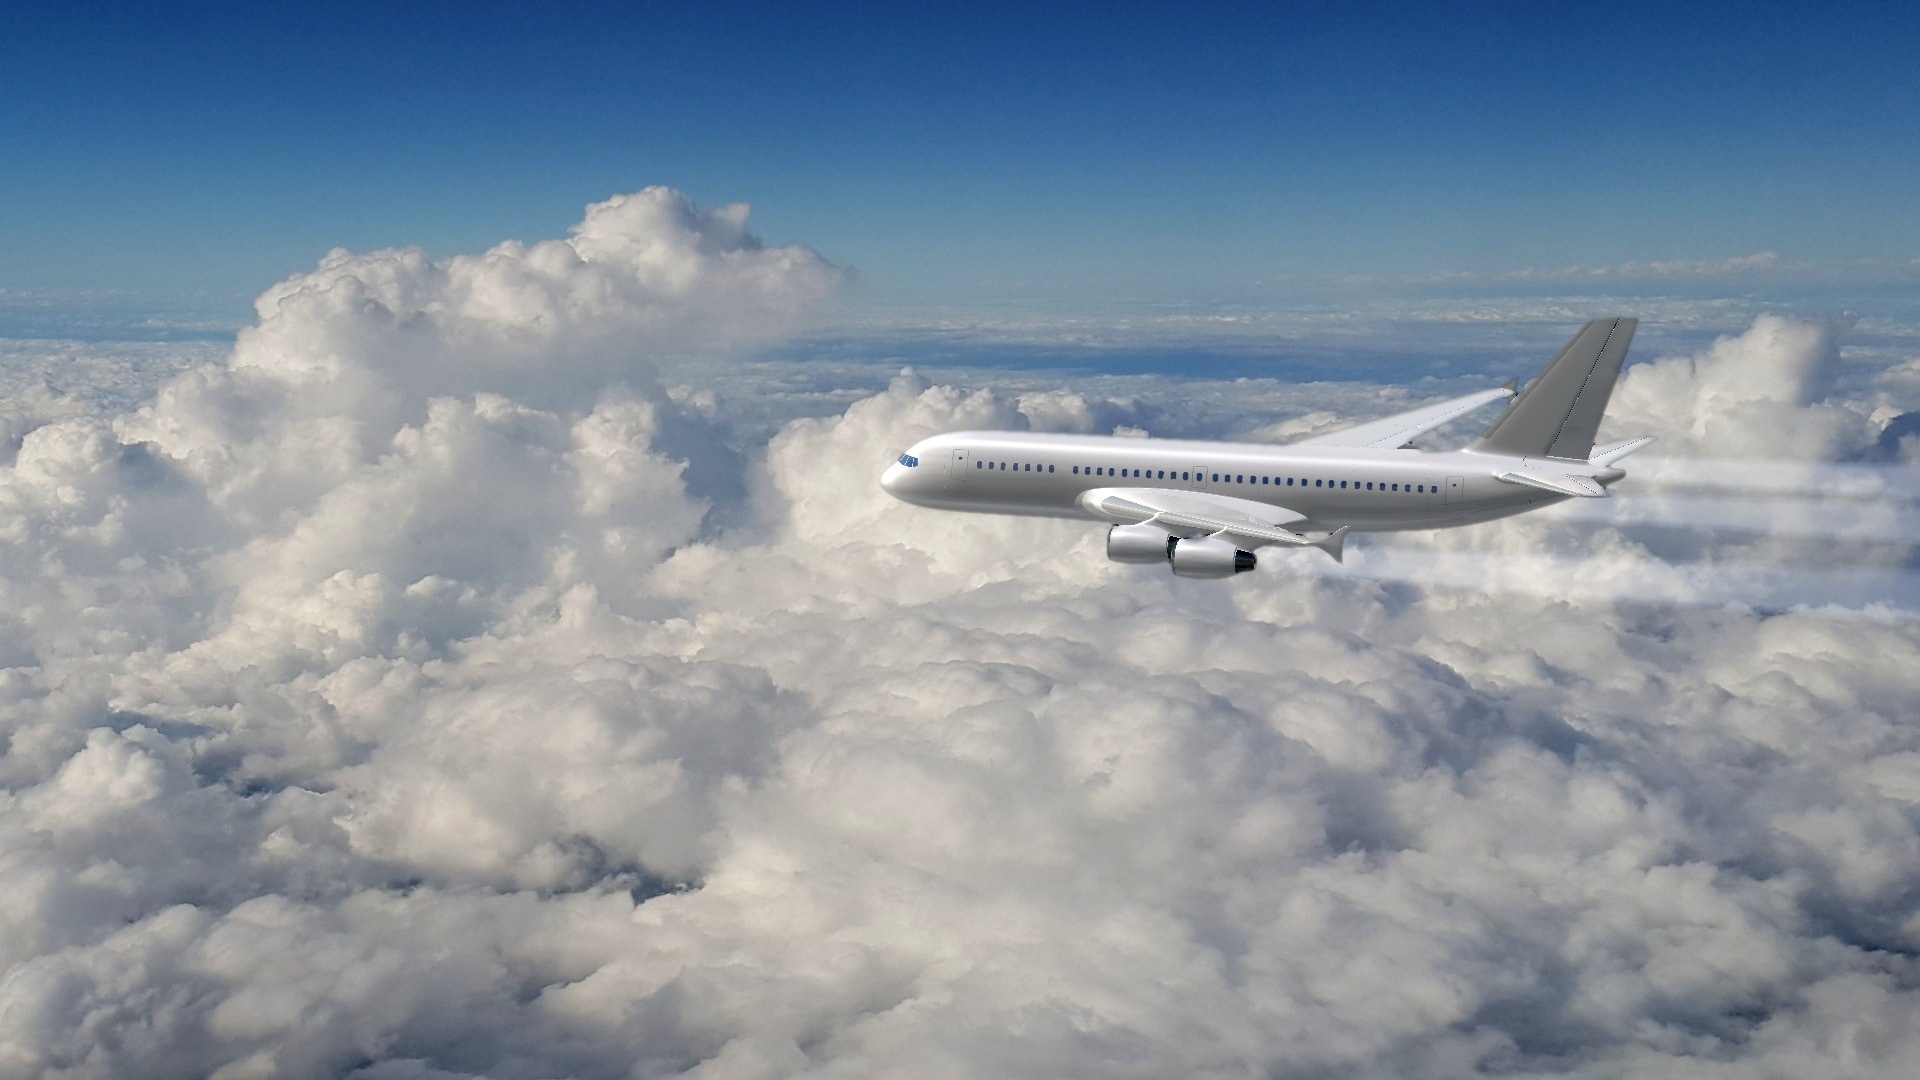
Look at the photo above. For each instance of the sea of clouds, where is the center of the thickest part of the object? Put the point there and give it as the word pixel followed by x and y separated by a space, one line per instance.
pixel 452 682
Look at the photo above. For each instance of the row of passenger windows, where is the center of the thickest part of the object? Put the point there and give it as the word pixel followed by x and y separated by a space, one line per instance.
pixel 1217 478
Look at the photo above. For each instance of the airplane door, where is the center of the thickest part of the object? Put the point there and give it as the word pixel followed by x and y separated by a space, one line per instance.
pixel 960 465
pixel 1456 490
pixel 1199 481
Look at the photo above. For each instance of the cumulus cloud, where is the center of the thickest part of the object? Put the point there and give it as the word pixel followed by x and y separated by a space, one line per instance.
pixel 1766 393
pixel 385 702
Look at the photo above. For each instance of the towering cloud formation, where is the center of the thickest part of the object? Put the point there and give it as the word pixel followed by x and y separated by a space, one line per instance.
pixel 1763 394
pixel 381 703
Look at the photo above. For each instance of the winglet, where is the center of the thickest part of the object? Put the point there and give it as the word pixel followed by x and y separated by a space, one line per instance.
pixel 1512 384
pixel 1333 543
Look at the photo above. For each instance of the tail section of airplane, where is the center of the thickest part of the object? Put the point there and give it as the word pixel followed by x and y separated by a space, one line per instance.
pixel 1606 456
pixel 1558 414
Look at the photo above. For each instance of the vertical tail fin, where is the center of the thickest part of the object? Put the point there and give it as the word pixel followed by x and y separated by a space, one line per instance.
pixel 1558 414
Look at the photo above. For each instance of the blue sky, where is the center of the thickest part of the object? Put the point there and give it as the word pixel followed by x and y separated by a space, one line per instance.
pixel 976 154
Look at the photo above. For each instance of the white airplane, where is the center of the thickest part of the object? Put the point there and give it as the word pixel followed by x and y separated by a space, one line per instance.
pixel 1204 507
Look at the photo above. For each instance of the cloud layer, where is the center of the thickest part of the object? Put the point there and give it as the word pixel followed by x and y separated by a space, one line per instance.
pixel 384 701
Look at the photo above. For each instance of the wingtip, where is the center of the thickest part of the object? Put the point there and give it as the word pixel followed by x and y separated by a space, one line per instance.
pixel 1334 544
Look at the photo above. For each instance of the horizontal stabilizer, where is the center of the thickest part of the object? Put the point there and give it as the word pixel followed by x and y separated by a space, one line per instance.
pixel 1607 455
pixel 1558 483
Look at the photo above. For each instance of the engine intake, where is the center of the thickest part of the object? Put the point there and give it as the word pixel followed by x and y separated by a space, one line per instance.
pixel 1138 544
pixel 1205 557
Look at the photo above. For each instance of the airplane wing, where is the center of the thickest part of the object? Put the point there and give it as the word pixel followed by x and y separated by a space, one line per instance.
pixel 1397 430
pixel 1243 522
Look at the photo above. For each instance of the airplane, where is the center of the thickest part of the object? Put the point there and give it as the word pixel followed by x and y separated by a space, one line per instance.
pixel 1204 507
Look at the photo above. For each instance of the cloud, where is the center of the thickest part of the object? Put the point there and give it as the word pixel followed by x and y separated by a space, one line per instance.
pixel 1764 393
pixel 1738 264
pixel 385 701
pixel 1633 270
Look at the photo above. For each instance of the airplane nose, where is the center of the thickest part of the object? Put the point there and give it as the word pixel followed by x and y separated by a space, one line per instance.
pixel 890 480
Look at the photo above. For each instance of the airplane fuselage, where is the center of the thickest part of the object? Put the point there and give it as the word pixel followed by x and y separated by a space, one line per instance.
pixel 1370 490
pixel 1202 507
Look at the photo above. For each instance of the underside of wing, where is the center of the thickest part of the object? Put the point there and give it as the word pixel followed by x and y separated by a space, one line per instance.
pixel 1397 430
pixel 1243 522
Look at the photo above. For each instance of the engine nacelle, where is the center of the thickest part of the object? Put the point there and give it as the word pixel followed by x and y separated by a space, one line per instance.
pixel 1138 544
pixel 1205 557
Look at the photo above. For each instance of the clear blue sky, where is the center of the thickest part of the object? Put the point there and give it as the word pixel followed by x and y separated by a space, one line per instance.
pixel 1156 149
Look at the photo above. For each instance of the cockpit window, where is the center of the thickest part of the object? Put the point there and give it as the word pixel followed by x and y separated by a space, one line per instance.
pixel 909 461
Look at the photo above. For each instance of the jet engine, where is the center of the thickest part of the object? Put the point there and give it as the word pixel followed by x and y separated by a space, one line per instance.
pixel 1138 544
pixel 1205 557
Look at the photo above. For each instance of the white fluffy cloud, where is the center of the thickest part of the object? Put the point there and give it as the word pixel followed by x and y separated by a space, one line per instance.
pixel 382 703
pixel 1763 394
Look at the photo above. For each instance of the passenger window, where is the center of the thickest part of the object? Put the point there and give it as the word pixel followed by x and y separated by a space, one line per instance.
pixel 1343 485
